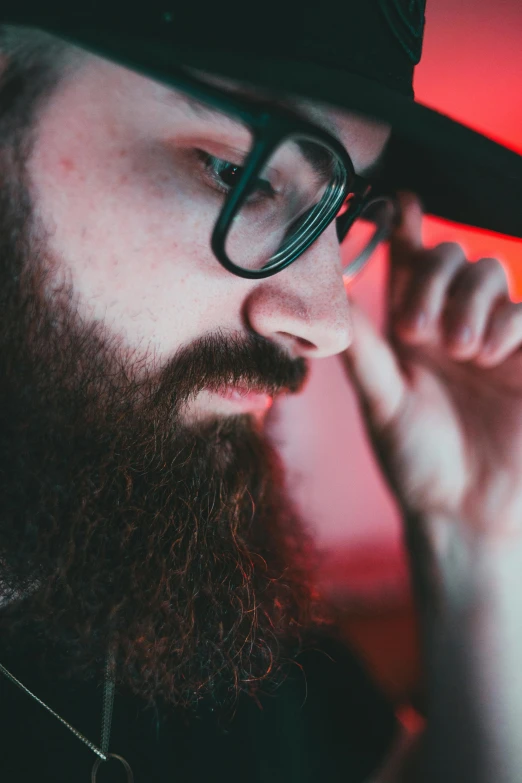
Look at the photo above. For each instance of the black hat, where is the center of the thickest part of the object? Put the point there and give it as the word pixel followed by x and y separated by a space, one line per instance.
pixel 356 55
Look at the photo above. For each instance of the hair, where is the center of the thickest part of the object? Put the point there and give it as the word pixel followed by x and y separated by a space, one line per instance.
pixel 33 63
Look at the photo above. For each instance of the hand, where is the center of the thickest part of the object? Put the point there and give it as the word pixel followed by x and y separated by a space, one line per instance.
pixel 442 393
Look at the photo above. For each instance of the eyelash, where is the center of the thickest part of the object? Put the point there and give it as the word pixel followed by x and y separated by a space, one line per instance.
pixel 207 160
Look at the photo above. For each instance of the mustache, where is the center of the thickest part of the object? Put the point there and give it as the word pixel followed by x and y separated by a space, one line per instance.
pixel 220 359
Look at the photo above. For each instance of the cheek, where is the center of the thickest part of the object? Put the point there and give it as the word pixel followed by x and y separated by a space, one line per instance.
pixel 138 256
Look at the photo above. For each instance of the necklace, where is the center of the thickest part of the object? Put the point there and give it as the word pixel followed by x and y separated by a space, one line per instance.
pixel 108 703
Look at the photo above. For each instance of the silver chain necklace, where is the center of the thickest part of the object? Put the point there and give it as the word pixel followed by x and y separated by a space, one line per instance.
pixel 108 703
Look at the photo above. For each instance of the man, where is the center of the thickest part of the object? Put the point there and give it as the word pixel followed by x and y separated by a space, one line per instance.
pixel 151 312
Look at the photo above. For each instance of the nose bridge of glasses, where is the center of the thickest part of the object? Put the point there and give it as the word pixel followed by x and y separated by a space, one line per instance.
pixel 372 226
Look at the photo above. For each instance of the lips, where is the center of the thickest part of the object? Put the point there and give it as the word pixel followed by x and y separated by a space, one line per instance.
pixel 246 398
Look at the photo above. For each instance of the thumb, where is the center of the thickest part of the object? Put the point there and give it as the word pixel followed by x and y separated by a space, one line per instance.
pixel 373 369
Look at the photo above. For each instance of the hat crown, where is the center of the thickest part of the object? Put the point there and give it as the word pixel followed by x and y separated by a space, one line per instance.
pixel 406 19
pixel 379 40
pixel 376 39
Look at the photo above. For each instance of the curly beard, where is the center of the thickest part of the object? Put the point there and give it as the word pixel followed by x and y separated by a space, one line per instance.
pixel 121 526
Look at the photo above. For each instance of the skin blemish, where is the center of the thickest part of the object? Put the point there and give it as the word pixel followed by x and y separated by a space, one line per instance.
pixel 67 165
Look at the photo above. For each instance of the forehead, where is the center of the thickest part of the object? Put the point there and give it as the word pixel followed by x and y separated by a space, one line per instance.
pixel 343 125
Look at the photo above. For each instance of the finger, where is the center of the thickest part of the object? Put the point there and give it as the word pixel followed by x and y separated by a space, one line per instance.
pixel 408 232
pixel 503 334
pixel 472 298
pixel 374 371
pixel 405 241
pixel 416 320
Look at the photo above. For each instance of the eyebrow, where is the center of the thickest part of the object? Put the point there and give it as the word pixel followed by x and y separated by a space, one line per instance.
pixel 314 154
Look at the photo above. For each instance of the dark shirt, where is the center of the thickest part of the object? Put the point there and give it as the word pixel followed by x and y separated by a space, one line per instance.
pixel 326 723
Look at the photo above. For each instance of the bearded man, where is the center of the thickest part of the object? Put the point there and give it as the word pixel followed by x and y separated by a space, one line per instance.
pixel 159 180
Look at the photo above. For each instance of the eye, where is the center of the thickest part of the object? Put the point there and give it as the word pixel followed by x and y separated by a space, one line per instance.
pixel 227 174
pixel 224 175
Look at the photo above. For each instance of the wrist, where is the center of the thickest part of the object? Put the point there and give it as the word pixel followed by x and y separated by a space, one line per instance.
pixel 453 566
pixel 471 639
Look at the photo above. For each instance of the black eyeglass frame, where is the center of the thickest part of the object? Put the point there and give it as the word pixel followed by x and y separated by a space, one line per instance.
pixel 270 127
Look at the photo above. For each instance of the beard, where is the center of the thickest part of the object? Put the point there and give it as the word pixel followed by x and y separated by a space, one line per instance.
pixel 121 526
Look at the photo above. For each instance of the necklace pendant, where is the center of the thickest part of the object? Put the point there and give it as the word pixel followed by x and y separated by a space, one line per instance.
pixel 130 776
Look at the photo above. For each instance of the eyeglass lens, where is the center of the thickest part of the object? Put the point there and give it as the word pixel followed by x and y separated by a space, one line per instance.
pixel 299 190
pixel 372 226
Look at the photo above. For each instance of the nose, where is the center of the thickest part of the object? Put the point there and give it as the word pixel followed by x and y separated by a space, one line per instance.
pixel 304 308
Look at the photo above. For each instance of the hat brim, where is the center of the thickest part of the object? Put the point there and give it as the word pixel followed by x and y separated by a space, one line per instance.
pixel 459 174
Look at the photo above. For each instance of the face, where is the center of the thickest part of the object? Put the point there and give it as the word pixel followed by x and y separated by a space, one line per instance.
pixel 143 506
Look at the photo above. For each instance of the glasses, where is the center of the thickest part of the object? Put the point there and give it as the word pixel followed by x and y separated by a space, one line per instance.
pixel 269 199
pixel 272 195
